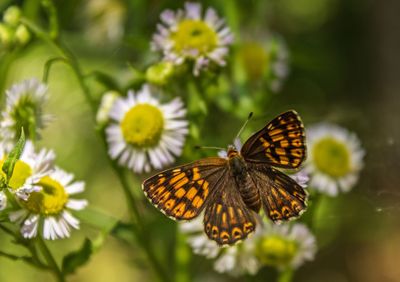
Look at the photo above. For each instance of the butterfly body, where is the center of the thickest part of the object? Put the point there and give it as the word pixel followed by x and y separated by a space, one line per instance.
pixel 232 190
pixel 244 183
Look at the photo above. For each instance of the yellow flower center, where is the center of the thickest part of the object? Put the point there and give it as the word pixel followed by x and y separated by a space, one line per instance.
pixel 276 250
pixel 142 126
pixel 194 35
pixel 331 157
pixel 255 60
pixel 21 172
pixel 50 200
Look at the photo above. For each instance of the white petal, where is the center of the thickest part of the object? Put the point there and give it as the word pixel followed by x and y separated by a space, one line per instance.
pixel 75 204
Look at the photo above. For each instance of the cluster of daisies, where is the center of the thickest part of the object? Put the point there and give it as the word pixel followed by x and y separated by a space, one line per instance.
pixel 38 196
pixel 144 132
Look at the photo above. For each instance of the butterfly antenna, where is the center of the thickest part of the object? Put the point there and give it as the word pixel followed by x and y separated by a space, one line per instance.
pixel 244 125
pixel 208 147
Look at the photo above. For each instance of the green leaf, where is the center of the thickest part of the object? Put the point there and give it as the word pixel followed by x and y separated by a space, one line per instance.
pixel 124 232
pixel 74 260
pixel 97 219
pixel 13 157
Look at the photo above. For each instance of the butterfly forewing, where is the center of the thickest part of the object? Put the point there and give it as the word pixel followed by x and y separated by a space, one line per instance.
pixel 182 192
pixel 281 143
pixel 281 196
pixel 227 220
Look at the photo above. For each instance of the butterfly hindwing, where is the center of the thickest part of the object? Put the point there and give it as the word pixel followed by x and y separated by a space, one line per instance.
pixel 281 143
pixel 181 192
pixel 281 196
pixel 227 220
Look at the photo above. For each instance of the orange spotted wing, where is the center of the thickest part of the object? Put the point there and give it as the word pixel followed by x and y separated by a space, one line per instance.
pixel 182 192
pixel 221 186
pixel 281 143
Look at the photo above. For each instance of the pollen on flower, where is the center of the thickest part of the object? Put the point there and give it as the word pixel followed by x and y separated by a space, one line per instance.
pixel 194 35
pixel 50 200
pixel 276 250
pixel 143 126
pixel 332 157
pixel 255 59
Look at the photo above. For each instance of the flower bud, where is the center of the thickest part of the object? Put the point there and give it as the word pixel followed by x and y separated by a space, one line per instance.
pixel 22 35
pixel 107 102
pixel 6 35
pixel 12 16
pixel 160 73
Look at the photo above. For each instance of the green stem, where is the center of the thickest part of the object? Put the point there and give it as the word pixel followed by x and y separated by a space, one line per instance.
pixel 182 258
pixel 50 259
pixel 48 66
pixel 7 230
pixel 69 57
pixel 42 34
pixel 140 231
pixel 34 260
pixel 285 275
pixel 53 18
pixel 5 62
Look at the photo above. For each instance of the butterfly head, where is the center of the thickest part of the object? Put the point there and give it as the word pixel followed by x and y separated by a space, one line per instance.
pixel 232 151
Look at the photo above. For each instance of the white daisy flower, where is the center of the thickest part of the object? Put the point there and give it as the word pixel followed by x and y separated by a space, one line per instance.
pixel 238 259
pixel 24 108
pixel 335 158
pixel 285 245
pixel 185 35
pixel 265 60
pixel 280 246
pixel 145 133
pixel 49 208
pixel 28 170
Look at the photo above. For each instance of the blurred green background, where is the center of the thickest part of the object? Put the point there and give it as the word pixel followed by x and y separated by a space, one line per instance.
pixel 345 68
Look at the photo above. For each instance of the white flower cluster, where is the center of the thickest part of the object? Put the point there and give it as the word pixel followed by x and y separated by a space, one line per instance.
pixel 41 191
pixel 280 246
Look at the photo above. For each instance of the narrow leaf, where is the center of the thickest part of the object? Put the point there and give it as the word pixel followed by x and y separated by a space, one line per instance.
pixel 74 260
pixel 13 157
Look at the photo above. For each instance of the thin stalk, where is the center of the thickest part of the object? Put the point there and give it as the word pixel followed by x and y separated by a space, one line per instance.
pixel 34 260
pixel 50 259
pixel 48 66
pixel 285 275
pixel 140 231
pixel 182 258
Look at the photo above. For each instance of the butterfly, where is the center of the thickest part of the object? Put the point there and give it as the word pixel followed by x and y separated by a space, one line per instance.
pixel 232 190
